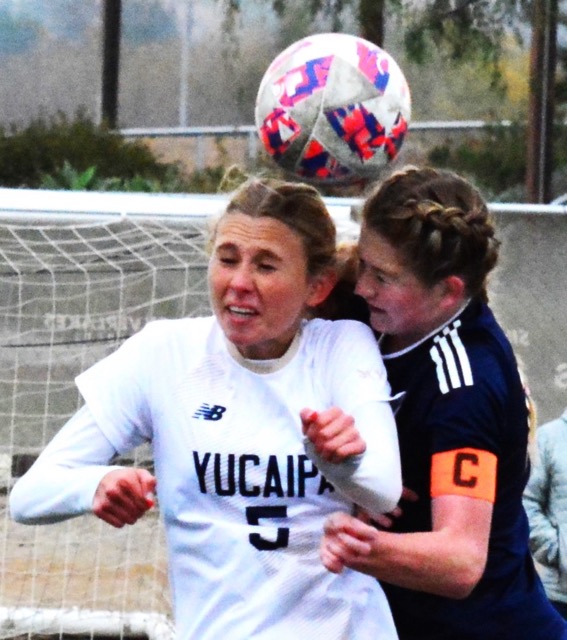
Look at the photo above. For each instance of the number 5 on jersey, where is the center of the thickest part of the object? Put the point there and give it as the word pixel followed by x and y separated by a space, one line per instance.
pixel 253 516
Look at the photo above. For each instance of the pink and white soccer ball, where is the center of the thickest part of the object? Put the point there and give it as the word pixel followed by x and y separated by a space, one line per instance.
pixel 333 108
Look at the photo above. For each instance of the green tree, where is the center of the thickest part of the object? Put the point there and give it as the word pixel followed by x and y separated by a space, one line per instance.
pixel 460 28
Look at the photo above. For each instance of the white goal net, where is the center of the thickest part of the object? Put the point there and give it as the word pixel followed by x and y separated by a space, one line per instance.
pixel 79 273
pixel 74 283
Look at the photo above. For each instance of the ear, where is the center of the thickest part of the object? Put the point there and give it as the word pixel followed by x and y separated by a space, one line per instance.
pixel 321 286
pixel 452 291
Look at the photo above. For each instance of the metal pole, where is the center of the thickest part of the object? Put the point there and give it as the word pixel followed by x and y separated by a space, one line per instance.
pixel 111 61
pixel 184 17
pixel 539 158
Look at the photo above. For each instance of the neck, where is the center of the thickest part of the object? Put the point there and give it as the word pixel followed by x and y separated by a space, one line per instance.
pixel 266 366
pixel 395 343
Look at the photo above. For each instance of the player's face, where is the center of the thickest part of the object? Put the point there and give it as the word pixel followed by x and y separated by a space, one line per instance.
pixel 400 305
pixel 258 284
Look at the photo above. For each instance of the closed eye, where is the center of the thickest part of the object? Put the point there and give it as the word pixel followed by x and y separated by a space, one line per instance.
pixel 373 273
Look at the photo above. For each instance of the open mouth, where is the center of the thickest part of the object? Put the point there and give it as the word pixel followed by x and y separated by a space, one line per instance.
pixel 376 309
pixel 241 311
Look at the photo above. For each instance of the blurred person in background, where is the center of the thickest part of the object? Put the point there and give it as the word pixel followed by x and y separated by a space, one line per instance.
pixel 545 501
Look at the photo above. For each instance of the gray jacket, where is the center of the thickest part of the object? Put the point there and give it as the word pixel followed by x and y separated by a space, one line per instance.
pixel 545 501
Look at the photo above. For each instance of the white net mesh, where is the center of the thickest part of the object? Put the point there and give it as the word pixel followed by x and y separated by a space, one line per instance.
pixel 69 294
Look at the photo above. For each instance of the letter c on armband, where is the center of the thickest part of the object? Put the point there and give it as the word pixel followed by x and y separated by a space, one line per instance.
pixel 464 472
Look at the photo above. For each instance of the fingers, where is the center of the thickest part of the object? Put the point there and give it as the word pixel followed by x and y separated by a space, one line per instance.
pixel 333 434
pixel 386 520
pixel 346 542
pixel 123 496
pixel 148 482
pixel 331 561
pixel 409 495
pixel 308 416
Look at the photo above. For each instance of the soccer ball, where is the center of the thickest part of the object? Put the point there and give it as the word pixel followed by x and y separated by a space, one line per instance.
pixel 333 108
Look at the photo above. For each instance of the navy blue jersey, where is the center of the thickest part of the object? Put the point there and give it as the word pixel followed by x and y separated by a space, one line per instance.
pixel 462 392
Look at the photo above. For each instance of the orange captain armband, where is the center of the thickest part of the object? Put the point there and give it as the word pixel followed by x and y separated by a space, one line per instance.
pixel 464 472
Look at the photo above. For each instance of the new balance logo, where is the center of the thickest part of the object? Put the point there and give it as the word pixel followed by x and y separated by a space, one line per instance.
pixel 206 412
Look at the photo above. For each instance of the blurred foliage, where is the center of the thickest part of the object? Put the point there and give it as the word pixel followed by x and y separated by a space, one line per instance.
pixel 71 179
pixel 495 159
pixel 448 90
pixel 43 147
pixel 16 35
pixel 147 21
pixel 461 31
pixel 464 31
pixel 79 155
pixel 208 180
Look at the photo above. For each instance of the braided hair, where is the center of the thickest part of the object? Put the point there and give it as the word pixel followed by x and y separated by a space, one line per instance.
pixel 440 223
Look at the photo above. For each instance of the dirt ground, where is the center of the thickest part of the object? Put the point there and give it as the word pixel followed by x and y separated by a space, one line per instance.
pixel 84 563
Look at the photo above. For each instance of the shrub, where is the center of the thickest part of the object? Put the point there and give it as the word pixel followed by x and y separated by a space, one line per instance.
pixel 43 148
pixel 496 159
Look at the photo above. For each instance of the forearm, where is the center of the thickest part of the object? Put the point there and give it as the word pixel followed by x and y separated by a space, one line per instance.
pixel 62 482
pixel 434 562
pixel 371 480
pixel 447 561
pixel 48 495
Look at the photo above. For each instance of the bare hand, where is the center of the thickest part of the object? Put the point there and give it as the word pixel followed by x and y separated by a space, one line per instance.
pixel 333 434
pixel 124 495
pixel 347 542
pixel 386 520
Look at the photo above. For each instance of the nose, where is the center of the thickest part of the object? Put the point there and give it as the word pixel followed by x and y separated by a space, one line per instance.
pixel 364 286
pixel 242 279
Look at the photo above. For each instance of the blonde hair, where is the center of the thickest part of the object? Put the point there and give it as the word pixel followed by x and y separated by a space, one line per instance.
pixel 297 205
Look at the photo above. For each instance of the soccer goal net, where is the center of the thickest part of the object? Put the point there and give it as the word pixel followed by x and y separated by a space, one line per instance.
pixel 79 273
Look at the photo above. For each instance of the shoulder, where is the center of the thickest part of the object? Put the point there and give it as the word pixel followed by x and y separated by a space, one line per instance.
pixel 160 348
pixel 339 348
pixel 483 335
pixel 319 328
pixel 159 336
pixel 552 430
pixel 333 335
pixel 168 329
pixel 473 348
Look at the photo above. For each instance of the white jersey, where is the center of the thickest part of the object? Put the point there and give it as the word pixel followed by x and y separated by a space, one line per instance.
pixel 244 505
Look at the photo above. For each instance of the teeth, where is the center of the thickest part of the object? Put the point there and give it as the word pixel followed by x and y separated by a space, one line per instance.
pixel 241 310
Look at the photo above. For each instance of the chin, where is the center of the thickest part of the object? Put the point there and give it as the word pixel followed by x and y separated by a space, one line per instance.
pixel 237 339
pixel 377 322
